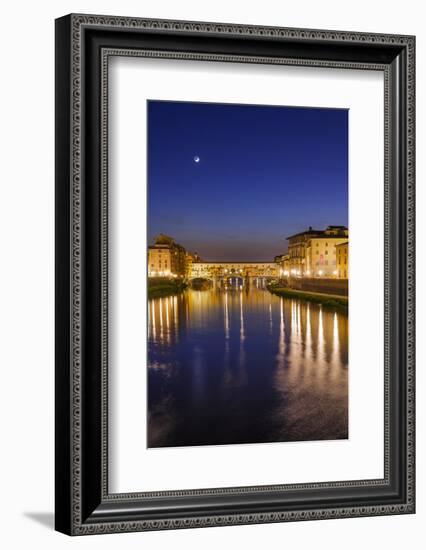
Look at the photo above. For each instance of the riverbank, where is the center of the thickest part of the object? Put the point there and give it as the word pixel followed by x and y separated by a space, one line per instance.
pixel 328 300
pixel 159 287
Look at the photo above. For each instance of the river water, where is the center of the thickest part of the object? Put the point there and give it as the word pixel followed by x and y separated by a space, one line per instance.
pixel 240 365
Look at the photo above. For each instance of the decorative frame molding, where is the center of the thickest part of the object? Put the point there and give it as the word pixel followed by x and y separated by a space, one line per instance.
pixel 84 43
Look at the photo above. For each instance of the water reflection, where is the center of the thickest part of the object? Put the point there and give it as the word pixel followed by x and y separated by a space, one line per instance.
pixel 239 365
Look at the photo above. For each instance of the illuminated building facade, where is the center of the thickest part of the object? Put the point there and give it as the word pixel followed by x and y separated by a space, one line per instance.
pixel 166 258
pixel 312 253
pixel 342 256
pixel 283 262
pixel 190 259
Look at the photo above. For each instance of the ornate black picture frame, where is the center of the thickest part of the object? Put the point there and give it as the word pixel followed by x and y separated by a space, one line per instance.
pixel 83 45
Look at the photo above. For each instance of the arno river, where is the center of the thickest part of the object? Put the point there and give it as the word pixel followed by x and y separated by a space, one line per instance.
pixel 240 365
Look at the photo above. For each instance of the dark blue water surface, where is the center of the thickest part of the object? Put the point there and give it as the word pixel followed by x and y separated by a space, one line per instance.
pixel 240 365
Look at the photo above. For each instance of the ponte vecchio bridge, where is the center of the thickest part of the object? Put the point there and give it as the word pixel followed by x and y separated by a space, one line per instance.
pixel 223 271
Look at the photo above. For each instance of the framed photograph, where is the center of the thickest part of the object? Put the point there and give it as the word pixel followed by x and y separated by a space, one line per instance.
pixel 234 274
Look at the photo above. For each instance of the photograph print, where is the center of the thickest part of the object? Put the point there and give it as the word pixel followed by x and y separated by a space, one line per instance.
pixel 248 274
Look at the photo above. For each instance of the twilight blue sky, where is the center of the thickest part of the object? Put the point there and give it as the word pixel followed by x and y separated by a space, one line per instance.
pixel 263 174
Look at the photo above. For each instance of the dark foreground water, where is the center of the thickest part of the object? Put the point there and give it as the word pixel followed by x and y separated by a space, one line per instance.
pixel 244 366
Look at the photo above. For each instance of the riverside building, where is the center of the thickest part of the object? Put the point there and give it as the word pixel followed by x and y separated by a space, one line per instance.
pixel 342 255
pixel 313 253
pixel 166 258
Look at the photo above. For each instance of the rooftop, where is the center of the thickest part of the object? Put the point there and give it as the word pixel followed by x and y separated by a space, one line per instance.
pixel 319 232
pixel 156 246
pixel 236 263
pixel 309 231
pixel 328 236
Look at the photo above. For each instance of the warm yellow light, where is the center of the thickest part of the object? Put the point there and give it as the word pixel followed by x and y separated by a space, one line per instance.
pixel 320 272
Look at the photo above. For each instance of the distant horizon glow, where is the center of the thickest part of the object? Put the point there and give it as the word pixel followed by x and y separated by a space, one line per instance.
pixel 268 172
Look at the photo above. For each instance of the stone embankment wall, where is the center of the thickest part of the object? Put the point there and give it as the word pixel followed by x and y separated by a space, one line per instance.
pixel 338 287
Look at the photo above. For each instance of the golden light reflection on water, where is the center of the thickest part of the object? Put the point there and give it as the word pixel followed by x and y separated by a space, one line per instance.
pixel 255 366
pixel 226 316
pixel 242 336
